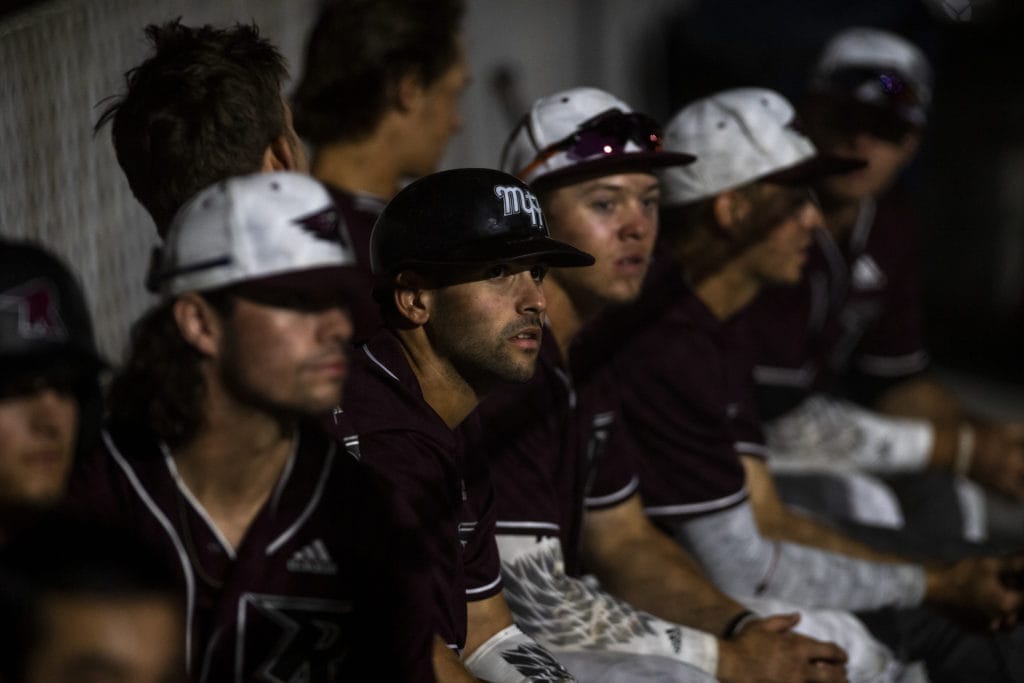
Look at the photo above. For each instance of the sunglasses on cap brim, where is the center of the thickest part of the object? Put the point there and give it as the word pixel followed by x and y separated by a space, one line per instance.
pixel 604 135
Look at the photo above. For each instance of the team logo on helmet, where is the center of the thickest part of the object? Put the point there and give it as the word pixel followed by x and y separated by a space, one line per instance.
pixel 517 200
pixel 33 305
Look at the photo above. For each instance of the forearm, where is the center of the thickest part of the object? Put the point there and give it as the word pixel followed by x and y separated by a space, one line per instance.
pixel 565 613
pixel 827 433
pixel 498 652
pixel 796 527
pixel 653 573
pixel 447 666
pixel 742 562
pixel 779 522
pixel 510 656
pixel 921 397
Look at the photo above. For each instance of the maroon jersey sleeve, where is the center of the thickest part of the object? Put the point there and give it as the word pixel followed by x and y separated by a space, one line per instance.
pixel 433 495
pixel 611 476
pixel 679 400
pixel 476 533
pixel 884 281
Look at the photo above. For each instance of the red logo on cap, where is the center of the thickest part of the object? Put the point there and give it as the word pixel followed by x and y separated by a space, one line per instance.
pixel 326 225
pixel 35 304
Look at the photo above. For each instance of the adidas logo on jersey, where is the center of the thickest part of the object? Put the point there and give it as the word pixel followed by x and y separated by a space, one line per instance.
pixel 867 274
pixel 312 559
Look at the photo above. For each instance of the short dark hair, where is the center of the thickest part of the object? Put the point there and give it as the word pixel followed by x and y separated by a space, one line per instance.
pixel 160 385
pixel 61 556
pixel 357 53
pixel 202 108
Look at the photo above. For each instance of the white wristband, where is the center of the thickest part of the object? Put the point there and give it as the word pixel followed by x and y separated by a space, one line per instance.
pixel 964 449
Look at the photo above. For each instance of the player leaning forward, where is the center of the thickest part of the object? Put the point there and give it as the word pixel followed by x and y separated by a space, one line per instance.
pixel 566 486
pixel 215 454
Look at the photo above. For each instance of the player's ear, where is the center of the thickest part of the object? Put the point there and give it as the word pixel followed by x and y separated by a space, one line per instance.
pixel 730 209
pixel 282 155
pixel 412 298
pixel 908 148
pixel 198 323
pixel 408 92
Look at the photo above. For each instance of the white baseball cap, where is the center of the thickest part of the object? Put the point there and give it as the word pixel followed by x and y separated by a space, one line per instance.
pixel 740 136
pixel 277 229
pixel 878 68
pixel 583 131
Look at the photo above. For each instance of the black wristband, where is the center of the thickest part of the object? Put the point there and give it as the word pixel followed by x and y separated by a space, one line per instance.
pixel 735 624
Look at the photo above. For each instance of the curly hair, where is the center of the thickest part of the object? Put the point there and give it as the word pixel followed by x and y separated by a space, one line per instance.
pixel 358 52
pixel 161 385
pixel 202 108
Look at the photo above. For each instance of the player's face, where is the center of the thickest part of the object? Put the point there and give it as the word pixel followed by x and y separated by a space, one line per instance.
pixel 286 351
pixel 779 258
pixel 89 640
pixel 615 218
pixel 435 118
pixel 885 159
pixel 489 328
pixel 37 445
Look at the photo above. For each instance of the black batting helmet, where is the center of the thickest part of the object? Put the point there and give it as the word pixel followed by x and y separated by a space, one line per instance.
pixel 42 310
pixel 46 335
pixel 465 216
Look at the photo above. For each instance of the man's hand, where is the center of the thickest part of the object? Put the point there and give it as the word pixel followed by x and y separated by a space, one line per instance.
pixel 998 459
pixel 980 589
pixel 767 651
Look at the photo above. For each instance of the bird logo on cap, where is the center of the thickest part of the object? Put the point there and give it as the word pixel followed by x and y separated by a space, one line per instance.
pixel 327 225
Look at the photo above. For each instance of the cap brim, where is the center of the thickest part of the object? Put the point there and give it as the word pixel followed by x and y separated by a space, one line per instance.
pixel 343 278
pixel 818 166
pixel 544 249
pixel 620 163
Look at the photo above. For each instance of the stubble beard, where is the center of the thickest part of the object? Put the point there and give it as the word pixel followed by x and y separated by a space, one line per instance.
pixel 481 363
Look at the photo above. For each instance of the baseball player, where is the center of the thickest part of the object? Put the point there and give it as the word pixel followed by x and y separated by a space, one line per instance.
pixel 85 603
pixel 566 488
pixel 460 256
pixel 378 101
pixel 49 381
pixel 851 332
pixel 292 560
pixel 737 220
pixel 205 106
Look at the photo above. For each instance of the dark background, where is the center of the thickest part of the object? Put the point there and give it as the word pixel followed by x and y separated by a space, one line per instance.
pixel 968 180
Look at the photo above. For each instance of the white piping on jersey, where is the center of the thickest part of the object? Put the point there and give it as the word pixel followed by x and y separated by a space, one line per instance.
pixel 622 494
pixel 569 388
pixel 786 377
pixel 313 502
pixel 210 649
pixel 894 366
pixel 286 474
pixel 697 508
pixel 862 226
pixel 751 448
pixel 482 589
pixel 527 525
pixel 196 505
pixel 186 565
pixel 819 301
pixel 366 350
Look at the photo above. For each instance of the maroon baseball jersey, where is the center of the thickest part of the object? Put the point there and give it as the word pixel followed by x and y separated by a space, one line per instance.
pixel 853 324
pixel 403 439
pixel 321 588
pixel 687 397
pixel 553 448
pixel 360 212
